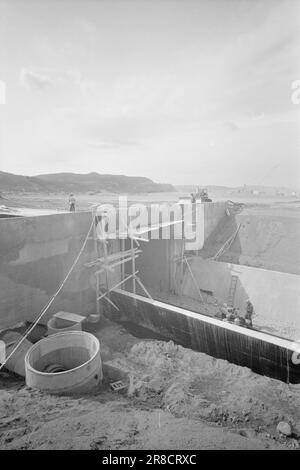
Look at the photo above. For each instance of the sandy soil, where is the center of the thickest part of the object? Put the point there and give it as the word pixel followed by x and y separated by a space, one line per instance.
pixel 176 399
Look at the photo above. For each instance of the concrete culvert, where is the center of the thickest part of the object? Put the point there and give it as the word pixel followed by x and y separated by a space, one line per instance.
pixel 64 363
pixel 16 362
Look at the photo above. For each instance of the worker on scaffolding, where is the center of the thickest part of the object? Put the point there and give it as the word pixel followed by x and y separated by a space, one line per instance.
pixel 72 202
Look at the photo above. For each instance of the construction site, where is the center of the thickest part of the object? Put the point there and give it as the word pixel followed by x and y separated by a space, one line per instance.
pixel 149 228
pixel 140 341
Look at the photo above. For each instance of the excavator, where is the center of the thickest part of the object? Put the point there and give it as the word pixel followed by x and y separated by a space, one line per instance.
pixel 202 194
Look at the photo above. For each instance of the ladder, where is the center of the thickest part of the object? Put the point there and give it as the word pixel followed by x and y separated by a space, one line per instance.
pixel 232 289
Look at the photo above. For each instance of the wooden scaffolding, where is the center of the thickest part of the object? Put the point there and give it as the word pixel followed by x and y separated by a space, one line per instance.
pixel 106 262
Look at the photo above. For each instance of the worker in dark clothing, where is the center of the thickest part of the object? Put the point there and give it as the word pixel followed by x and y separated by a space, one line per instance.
pixel 249 313
pixel 72 202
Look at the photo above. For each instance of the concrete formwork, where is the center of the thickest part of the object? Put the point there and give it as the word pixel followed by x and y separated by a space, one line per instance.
pixel 214 213
pixel 36 253
pixel 35 256
pixel 156 264
pixel 206 217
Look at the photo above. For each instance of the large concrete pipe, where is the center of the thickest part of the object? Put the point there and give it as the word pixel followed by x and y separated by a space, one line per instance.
pixel 64 363
pixel 16 362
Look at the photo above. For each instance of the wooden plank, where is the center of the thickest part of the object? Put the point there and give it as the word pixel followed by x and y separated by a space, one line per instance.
pixel 112 257
pixel 70 317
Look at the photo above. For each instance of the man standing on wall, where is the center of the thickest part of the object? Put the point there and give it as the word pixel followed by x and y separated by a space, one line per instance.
pixel 72 202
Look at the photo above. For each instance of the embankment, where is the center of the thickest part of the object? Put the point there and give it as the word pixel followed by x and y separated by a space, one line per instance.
pixel 267 238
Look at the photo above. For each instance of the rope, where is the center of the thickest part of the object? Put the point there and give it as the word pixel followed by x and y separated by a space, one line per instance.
pixel 227 244
pixel 44 310
pixel 194 280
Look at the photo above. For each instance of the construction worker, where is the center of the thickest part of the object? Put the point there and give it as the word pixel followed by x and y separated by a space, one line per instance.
pixel 221 312
pixel 72 202
pixel 224 311
pixel 198 193
pixel 249 313
pixel 239 319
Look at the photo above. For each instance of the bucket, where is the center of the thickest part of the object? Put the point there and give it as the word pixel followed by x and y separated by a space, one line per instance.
pixel 64 363
pixel 56 325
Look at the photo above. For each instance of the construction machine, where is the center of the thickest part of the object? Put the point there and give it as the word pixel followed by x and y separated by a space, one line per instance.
pixel 202 194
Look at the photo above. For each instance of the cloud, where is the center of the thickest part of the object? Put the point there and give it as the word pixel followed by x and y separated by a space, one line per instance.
pixel 35 79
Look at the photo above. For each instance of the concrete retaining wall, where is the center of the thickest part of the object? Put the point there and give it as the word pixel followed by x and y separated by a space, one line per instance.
pixel 261 352
pixel 213 215
pixel 37 252
pixel 35 255
pixel 205 218
pixel 156 264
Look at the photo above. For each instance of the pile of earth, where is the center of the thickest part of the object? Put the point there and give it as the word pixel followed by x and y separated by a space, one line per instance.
pixel 194 385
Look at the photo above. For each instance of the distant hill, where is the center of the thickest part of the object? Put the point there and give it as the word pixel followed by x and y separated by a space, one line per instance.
pixel 10 182
pixel 73 182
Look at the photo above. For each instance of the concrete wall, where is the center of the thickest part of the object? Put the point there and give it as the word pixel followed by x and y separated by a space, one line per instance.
pixel 206 218
pixel 35 255
pixel 213 214
pixel 156 264
pixel 274 295
pixel 37 252
pixel 261 352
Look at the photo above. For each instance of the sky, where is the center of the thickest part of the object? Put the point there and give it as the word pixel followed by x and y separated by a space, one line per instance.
pixel 182 92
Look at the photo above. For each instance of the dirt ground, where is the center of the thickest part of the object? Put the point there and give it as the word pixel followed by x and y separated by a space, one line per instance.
pixel 175 399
